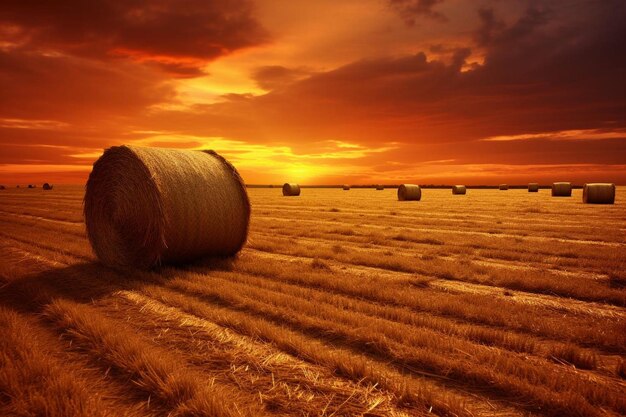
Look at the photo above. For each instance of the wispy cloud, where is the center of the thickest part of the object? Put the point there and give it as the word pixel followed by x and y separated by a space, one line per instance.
pixel 586 134
pixel 32 124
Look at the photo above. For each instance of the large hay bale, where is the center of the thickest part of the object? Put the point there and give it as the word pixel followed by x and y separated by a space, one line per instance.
pixel 533 187
pixel 47 186
pixel 459 189
pixel 291 190
pixel 346 187
pixel 149 206
pixel 599 193
pixel 503 187
pixel 380 187
pixel 562 189
pixel 409 192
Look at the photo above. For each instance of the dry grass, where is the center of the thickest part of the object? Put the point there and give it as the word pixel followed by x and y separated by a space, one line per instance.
pixel 573 355
pixel 320 265
pixel 412 347
pixel 617 279
pixel 285 384
pixel 25 366
pixel 620 369
pixel 539 281
pixel 420 395
pixel 154 371
pixel 494 304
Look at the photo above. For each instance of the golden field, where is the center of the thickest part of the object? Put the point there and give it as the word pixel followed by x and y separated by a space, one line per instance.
pixel 343 303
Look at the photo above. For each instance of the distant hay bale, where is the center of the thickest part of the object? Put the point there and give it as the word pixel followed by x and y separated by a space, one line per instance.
pixel 32 186
pixel 409 192
pixel 380 187
pixel 561 189
pixel 503 186
pixel 47 186
pixel 291 189
pixel 599 193
pixel 149 206
pixel 2 187
pixel 346 187
pixel 459 189
pixel 533 187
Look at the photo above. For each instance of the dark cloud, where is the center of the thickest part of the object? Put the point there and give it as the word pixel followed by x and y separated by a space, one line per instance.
pixel 410 10
pixel 67 88
pixel 97 66
pixel 169 32
pixel 494 30
pixel 489 26
pixel 546 71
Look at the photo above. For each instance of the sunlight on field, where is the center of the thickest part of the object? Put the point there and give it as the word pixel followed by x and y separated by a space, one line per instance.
pixel 503 303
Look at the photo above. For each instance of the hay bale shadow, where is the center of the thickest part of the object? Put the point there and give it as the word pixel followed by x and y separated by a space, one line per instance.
pixel 90 281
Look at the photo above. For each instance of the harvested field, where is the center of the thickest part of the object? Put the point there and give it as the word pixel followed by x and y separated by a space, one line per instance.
pixel 505 304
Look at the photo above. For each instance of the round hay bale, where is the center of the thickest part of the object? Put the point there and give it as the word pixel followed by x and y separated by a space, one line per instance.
pixel 346 187
pixel 380 187
pixel 149 206
pixel 291 190
pixel 503 186
pixel 459 189
pixel 409 192
pixel 533 187
pixel 47 186
pixel 599 193
pixel 32 186
pixel 2 187
pixel 561 189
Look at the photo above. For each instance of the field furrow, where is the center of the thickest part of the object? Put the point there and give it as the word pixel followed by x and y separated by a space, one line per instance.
pixel 341 304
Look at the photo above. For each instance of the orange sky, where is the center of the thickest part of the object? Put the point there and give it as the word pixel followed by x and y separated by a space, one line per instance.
pixel 319 92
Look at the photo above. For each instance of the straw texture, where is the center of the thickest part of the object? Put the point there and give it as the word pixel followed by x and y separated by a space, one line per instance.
pixel 291 190
pixel 533 187
pixel 149 206
pixel 47 186
pixel 561 189
pixel 407 192
pixel 599 193
pixel 503 186
pixel 459 189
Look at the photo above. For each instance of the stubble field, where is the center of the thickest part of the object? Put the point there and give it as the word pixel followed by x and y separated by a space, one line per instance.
pixel 343 303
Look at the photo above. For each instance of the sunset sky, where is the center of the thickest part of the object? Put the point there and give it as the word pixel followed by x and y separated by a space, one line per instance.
pixel 319 91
